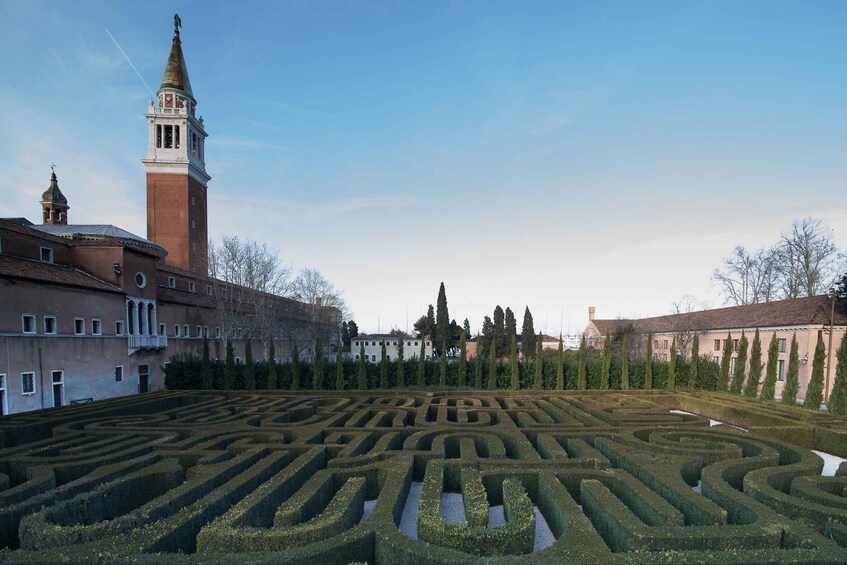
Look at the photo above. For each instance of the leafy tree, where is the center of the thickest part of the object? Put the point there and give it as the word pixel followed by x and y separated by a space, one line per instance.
pixel 345 334
pixel 249 375
pixel 352 329
pixel 422 365
pixel 206 369
pixel 513 364
pixel 466 326
pixel 442 365
pixel 838 398
pixel 528 337
pixel 401 368
pixel 607 362
pixel 625 363
pixel 769 386
pixel 492 369
pixel 752 387
pixel 383 367
pixel 726 361
pixel 363 368
pixel 814 392
pixel 695 362
pixel 229 367
pixel 499 337
pixel 792 378
pixel 425 325
pixel 271 366
pixel 318 367
pixel 339 369
pixel 538 365
pixel 442 319
pixel 463 361
pixel 583 360
pixel 560 365
pixel 648 365
pixel 740 366
pixel 672 367
pixel 478 369
pixel 295 368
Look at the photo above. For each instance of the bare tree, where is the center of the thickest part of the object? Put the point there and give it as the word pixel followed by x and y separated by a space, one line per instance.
pixel 748 278
pixel 683 322
pixel 807 259
pixel 325 303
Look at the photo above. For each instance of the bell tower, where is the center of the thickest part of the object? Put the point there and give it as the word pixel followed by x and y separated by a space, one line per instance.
pixel 54 205
pixel 176 168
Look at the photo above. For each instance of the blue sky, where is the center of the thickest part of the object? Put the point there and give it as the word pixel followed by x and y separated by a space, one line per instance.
pixel 555 154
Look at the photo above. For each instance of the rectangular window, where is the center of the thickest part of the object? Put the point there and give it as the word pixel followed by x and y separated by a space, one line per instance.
pixel 56 376
pixel 79 326
pixel 357 357
pixel 655 344
pixel 169 137
pixel 206 331
pixel 664 357
pixel 186 330
pixel 159 136
pixel 218 332
pixel 119 327
pixel 208 290
pixel 28 324
pixel 732 366
pixel 163 329
pixel 416 344
pixel 199 332
pixel 176 330
pixel 717 345
pixel 50 325
pixel 171 282
pixel 46 254
pixel 191 287
pixel 238 297
pixel 780 370
pixel 96 327
pixel 193 142
pixel 223 294
pixel 176 137
pixel 373 358
pixel 27 383
pixel 119 374
pixel 356 344
pixel 782 345
pixel 735 345
pixel 665 344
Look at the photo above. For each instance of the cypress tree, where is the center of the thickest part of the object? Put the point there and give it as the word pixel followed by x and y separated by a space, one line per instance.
pixel 249 376
pixel 463 362
pixel 695 362
pixel 401 367
pixel 583 360
pixel 498 340
pixel 513 363
pixel 492 369
pixel 511 323
pixel 838 399
pixel 295 368
pixel 478 368
pixel 206 369
pixel 422 364
pixel 271 366
pixel 740 366
pixel 672 367
pixel 318 367
pixel 442 365
pixel 383 367
pixel 792 379
pixel 814 392
pixel 339 369
pixel 726 361
pixel 560 365
pixel 769 386
pixel 607 362
pixel 538 363
pixel 625 363
pixel 752 387
pixel 442 319
pixel 229 366
pixel 528 335
pixel 363 368
pixel 648 365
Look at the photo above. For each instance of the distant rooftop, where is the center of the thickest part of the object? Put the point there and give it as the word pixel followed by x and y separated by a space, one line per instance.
pixel 95 231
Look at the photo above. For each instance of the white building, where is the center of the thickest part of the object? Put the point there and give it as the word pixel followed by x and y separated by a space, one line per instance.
pixel 373 346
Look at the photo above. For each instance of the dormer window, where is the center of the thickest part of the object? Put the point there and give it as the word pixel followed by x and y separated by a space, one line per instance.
pixel 171 282
pixel 46 254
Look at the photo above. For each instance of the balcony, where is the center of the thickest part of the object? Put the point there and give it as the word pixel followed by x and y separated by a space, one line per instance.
pixel 139 342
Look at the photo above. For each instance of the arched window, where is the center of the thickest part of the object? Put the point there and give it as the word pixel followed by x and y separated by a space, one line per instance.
pixel 130 317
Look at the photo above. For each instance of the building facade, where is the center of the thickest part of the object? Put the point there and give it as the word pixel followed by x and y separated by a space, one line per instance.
pixel 800 317
pixel 93 311
pixel 373 347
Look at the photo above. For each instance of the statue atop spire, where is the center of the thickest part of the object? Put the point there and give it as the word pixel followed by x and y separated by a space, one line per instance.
pixel 177 24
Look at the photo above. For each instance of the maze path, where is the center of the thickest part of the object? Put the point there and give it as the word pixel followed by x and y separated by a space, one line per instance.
pixel 420 478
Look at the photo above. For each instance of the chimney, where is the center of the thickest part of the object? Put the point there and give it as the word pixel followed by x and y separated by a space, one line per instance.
pixel 591 310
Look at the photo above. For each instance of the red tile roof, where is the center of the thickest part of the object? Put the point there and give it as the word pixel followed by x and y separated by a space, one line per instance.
pixel 49 273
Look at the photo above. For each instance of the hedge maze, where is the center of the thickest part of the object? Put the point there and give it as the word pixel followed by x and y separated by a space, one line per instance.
pixel 419 478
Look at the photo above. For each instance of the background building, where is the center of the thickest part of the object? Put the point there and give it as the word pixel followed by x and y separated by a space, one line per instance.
pixel 373 346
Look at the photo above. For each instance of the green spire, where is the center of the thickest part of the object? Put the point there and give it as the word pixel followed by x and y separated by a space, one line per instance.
pixel 176 73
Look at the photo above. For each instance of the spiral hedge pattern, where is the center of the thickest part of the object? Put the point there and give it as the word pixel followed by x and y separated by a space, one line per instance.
pixel 279 477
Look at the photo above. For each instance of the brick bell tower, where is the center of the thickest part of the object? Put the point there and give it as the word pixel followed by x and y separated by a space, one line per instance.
pixel 176 168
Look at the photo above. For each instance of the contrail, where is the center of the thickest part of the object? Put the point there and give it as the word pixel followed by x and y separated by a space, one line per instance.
pixel 115 41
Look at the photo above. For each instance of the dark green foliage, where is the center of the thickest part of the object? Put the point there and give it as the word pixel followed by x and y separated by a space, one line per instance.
pixel 837 403
pixel 339 368
pixel 513 364
pixel 814 392
pixel 318 366
pixel 478 369
pixel 295 368
pixel 206 368
pixel 726 361
pixel 539 363
pixel 769 385
pixel 792 377
pixel 271 377
pixel 362 378
pixel 740 366
pixel 672 367
pixel 442 365
pixel 422 363
pixel 442 320
pixel 401 362
pixel 695 362
pixel 648 365
pixel 528 336
pixel 492 369
pixel 499 337
pixel 751 389
pixel 607 362
pixel 466 327
pixel 511 323
pixel 383 364
pixel 625 363
pixel 462 363
pixel 560 365
pixel 583 359
pixel 229 368
pixel 249 367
